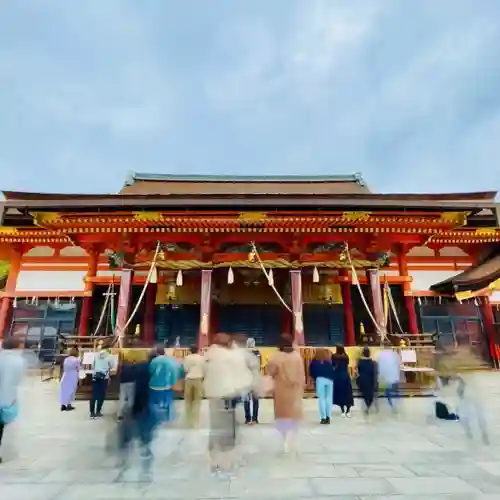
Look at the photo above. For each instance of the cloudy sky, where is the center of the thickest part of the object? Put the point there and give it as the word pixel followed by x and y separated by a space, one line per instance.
pixel 406 92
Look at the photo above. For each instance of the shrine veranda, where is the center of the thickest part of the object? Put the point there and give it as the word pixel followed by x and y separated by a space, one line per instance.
pixel 194 255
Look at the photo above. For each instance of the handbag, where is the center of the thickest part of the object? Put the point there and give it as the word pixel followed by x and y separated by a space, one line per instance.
pixel 9 414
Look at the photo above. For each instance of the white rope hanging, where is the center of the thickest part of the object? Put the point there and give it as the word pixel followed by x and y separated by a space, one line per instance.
pixel 266 274
pixel 119 333
pixel 380 331
pixel 394 311
pixel 103 312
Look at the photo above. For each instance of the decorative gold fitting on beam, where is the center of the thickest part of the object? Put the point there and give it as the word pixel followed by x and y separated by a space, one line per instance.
pixel 356 216
pixel 148 216
pixel 252 216
pixel 44 218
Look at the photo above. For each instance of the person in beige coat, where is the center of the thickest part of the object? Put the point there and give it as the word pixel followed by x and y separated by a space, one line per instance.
pixel 194 368
pixel 287 370
pixel 226 377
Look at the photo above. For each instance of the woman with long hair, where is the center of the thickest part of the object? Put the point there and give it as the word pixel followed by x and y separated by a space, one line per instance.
pixel 69 380
pixel 287 370
pixel 342 386
pixel 366 378
pixel 322 372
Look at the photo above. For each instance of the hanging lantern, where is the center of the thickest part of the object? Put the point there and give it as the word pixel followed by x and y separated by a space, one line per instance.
pixel 230 276
pixel 72 300
pixel 14 304
pixel 179 281
pixel 252 255
pixel 137 330
pixel 361 328
pixel 270 278
pixel 315 275
pixel 153 278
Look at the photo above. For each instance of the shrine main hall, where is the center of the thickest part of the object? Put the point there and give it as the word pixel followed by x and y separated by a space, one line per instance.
pixel 174 259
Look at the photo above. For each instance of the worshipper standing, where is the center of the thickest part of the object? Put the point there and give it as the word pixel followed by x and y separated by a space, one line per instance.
pixel 366 379
pixel 138 422
pixel 287 370
pixel 69 380
pixel 322 372
pixel 342 385
pixel 12 369
pixel 251 400
pixel 101 371
pixel 389 373
pixel 226 376
pixel 194 366
pixel 470 406
pixel 164 373
pixel 127 387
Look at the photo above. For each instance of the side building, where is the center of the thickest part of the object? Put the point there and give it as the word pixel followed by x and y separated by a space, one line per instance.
pixel 342 259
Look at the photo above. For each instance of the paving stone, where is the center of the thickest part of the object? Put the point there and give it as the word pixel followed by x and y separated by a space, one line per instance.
pixel 432 486
pixel 358 486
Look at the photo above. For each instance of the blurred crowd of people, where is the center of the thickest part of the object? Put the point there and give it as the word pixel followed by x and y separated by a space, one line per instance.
pixel 230 374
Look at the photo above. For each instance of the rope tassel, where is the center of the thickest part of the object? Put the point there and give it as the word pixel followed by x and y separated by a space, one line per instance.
pixel 154 275
pixel 315 275
pixel 179 281
pixel 230 276
pixel 270 278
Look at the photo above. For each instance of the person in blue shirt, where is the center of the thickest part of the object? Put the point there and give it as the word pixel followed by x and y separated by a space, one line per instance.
pixel 322 372
pixel 164 373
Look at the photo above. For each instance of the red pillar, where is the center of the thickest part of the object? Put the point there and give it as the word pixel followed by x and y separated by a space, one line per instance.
pixel 489 327
pixel 350 332
pixel 87 301
pixel 123 311
pixel 205 308
pixel 10 289
pixel 298 323
pixel 408 298
pixel 148 327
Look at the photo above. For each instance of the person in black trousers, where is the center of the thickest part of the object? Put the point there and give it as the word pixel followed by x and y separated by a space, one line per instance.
pixel 101 371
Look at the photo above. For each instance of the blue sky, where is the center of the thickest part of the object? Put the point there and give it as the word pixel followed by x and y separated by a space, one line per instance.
pixel 404 91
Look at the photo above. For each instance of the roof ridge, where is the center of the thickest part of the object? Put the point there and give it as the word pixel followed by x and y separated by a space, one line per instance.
pixel 144 176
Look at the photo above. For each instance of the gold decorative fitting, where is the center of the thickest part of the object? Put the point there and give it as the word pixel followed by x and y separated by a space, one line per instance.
pixel 8 230
pixel 148 216
pixel 455 218
pixel 44 218
pixel 356 216
pixel 486 231
pixel 252 216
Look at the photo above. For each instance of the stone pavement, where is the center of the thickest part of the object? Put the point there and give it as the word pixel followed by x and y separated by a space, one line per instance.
pixel 49 454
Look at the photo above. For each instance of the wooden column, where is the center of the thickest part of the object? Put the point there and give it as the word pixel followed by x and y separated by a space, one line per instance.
pixel 489 327
pixel 205 308
pixel 124 298
pixel 148 327
pixel 408 298
pixel 373 276
pixel 298 323
pixel 10 289
pixel 350 332
pixel 87 301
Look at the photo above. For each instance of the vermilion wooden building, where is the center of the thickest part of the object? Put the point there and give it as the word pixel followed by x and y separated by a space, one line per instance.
pixel 60 247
